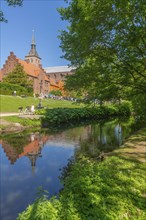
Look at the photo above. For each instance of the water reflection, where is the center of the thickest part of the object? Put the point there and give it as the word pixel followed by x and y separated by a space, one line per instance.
pixel 36 159
pixel 102 136
pixel 30 147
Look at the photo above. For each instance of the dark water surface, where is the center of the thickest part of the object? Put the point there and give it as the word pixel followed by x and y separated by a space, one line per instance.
pixel 36 159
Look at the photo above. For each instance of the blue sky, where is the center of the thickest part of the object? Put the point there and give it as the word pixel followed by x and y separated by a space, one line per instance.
pixel 40 15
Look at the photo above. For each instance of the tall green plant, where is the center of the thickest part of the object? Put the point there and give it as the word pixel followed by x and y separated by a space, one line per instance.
pixel 19 77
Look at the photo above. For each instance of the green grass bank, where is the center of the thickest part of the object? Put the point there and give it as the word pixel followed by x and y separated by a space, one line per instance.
pixel 12 103
pixel 113 189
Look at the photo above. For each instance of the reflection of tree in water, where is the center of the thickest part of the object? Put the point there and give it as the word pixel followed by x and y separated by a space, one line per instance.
pixel 103 137
pixel 92 139
pixel 16 141
pixel 100 138
pixel 65 170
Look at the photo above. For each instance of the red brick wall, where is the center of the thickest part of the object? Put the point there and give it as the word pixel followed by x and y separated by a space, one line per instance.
pixel 9 65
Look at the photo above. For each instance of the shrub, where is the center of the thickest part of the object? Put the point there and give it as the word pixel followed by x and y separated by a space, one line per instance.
pixel 75 115
pixel 124 109
pixel 8 89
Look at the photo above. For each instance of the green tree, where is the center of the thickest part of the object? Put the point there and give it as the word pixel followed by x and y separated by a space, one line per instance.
pixel 10 3
pixel 19 77
pixel 91 81
pixel 56 92
pixel 108 39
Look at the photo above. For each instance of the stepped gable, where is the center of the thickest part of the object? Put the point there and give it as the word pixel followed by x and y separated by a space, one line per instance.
pixel 44 79
pixel 9 65
pixel 0 75
pixel 10 152
pixel 36 73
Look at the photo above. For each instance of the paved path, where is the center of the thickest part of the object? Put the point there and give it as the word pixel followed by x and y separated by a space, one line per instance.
pixel 31 116
pixel 8 114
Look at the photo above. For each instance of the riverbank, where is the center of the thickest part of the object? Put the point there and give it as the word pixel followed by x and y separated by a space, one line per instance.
pixel 111 189
pixel 9 124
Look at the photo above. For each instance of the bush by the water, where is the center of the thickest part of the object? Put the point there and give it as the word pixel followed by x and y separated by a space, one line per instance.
pixel 66 115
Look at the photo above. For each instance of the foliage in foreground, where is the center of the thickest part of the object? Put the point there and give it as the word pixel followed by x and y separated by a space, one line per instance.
pixel 113 189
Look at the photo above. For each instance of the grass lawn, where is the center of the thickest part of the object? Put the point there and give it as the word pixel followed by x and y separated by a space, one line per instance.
pixel 12 103
pixel 22 121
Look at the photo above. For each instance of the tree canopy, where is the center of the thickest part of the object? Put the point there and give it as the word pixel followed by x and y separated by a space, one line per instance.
pixel 55 92
pixel 18 77
pixel 10 3
pixel 106 41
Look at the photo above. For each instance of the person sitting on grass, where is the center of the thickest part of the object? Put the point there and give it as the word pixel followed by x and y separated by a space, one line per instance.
pixel 32 109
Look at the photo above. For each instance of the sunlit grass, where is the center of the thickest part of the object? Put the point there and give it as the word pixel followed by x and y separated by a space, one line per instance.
pixel 12 103
pixel 23 121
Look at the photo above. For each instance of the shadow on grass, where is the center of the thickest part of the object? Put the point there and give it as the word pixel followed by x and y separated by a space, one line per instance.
pixel 110 190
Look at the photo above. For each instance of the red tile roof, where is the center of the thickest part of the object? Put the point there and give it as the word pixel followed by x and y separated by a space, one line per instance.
pixel 31 69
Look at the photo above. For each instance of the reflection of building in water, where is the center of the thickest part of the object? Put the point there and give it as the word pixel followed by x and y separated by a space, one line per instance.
pixel 70 136
pixel 10 152
pixel 31 150
pixel 35 142
pixel 33 157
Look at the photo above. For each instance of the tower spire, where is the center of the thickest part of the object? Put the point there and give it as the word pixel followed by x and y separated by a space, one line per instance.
pixel 33 56
pixel 33 38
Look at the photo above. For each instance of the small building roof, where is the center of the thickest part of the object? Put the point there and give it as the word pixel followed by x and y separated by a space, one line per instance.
pixel 58 69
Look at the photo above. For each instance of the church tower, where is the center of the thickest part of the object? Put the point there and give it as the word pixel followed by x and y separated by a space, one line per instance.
pixel 33 157
pixel 32 56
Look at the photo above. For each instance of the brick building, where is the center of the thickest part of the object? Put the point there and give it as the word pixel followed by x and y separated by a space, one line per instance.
pixel 44 79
